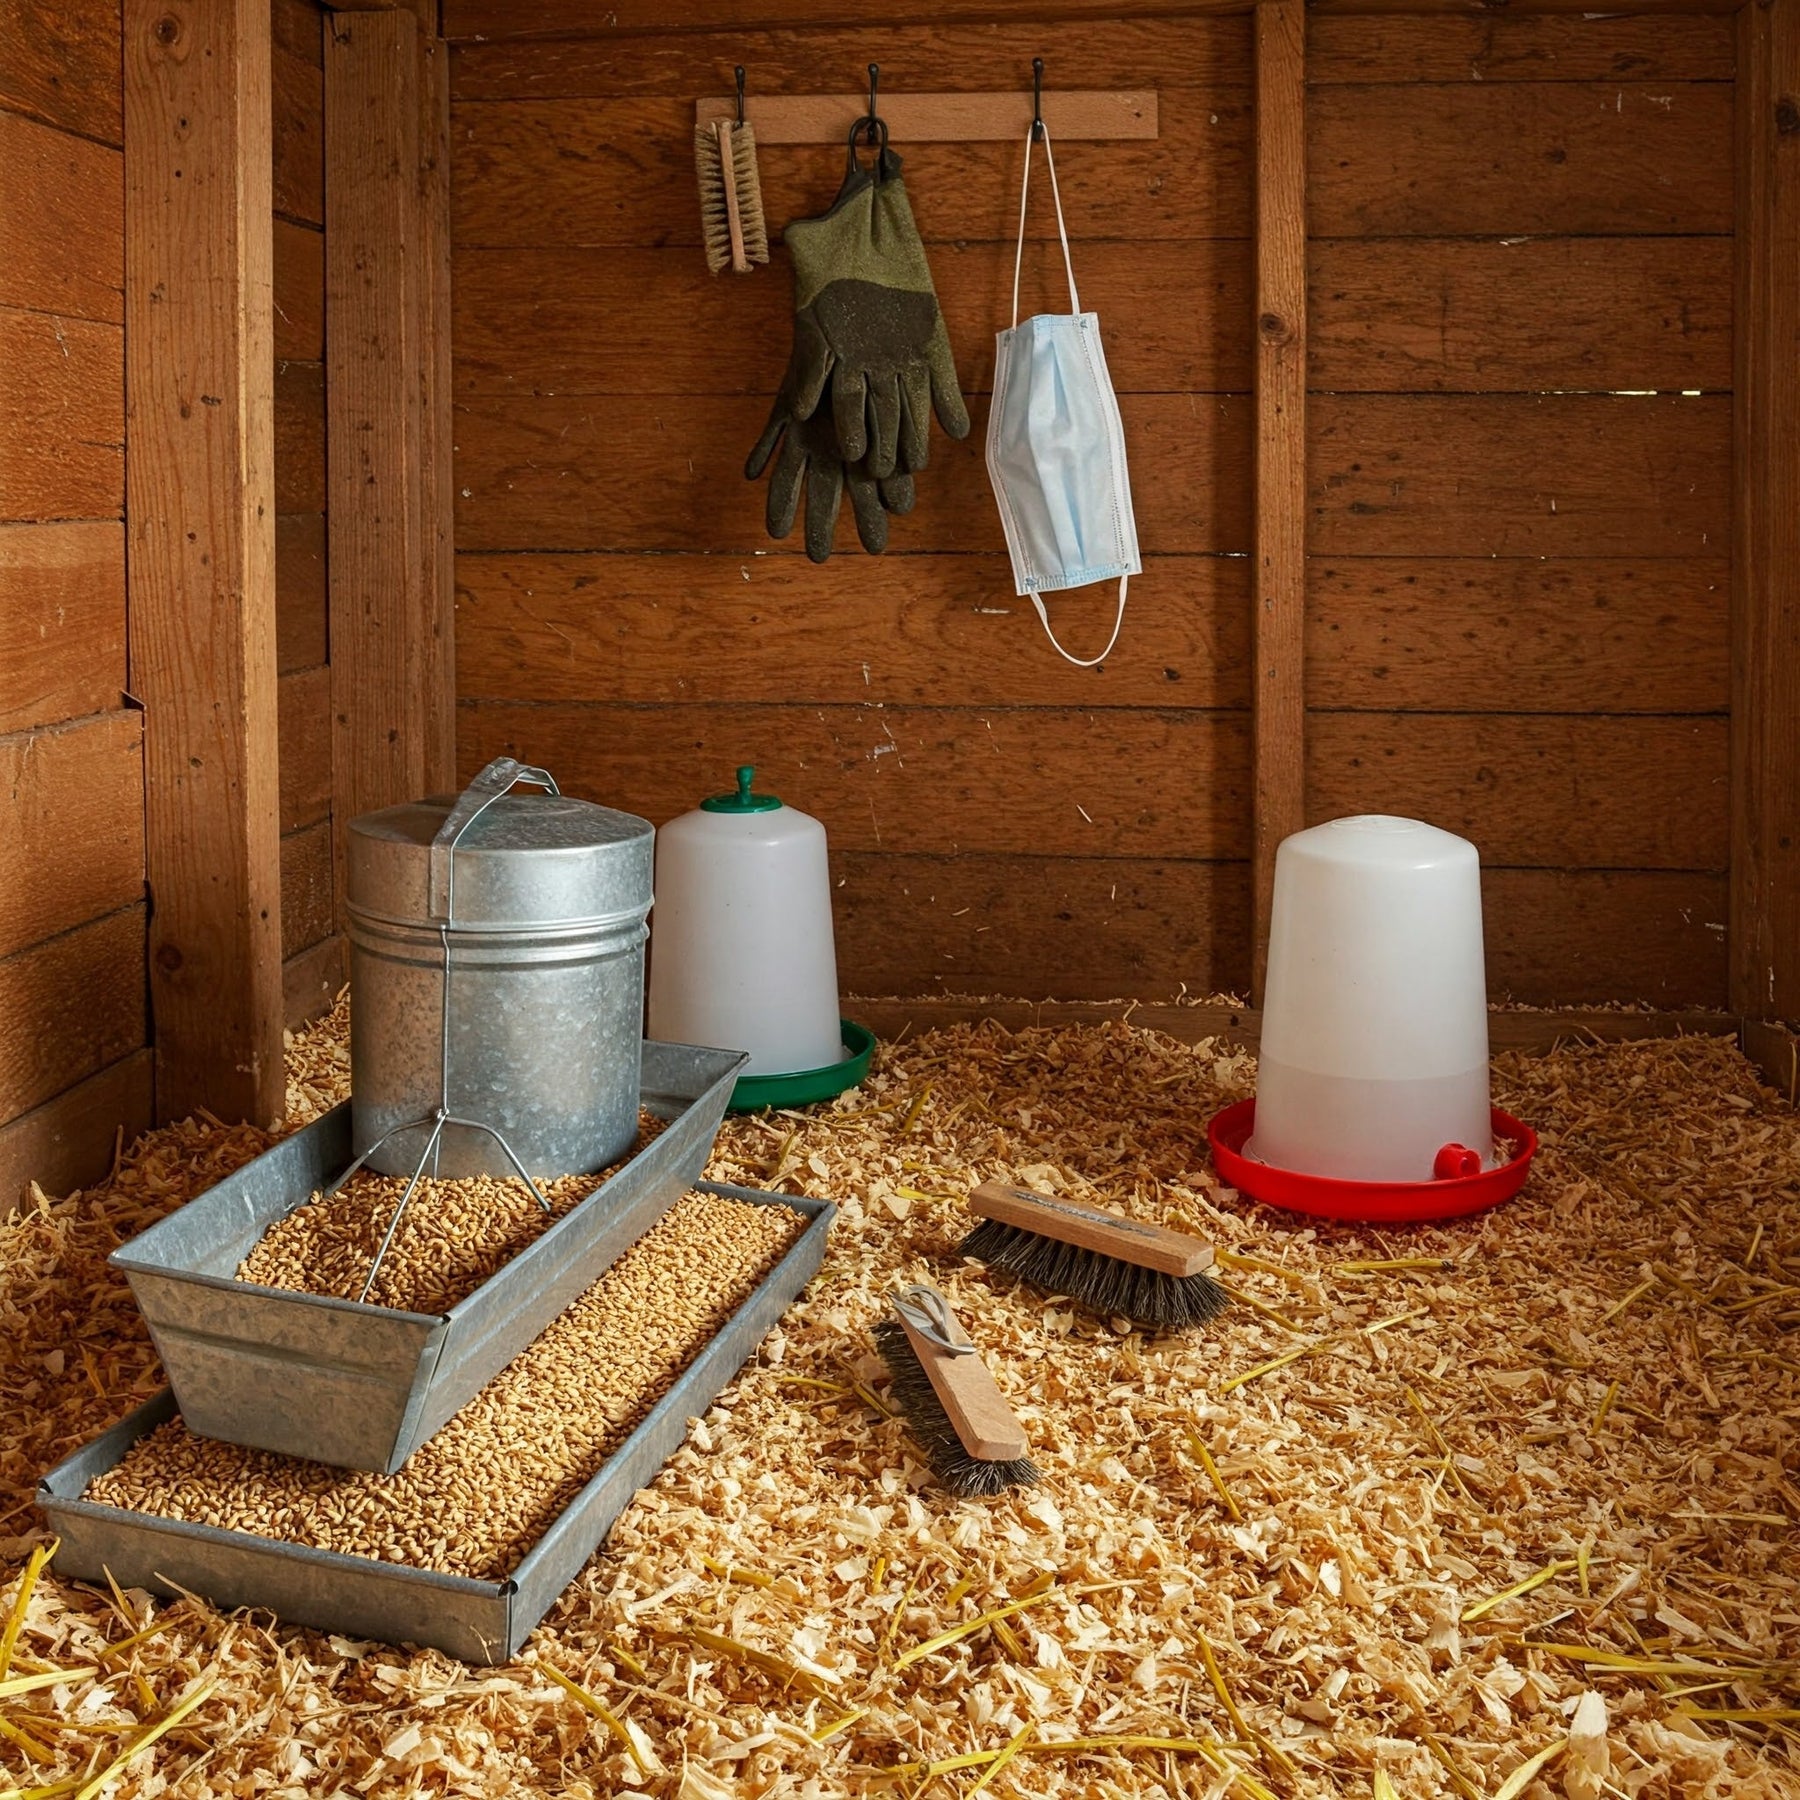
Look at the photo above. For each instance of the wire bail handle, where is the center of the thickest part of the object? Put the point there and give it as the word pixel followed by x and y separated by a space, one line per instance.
pixel 928 1313
pixel 500 777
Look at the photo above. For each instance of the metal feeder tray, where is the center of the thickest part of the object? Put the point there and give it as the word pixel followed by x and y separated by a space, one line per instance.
pixel 355 1596
pixel 359 1386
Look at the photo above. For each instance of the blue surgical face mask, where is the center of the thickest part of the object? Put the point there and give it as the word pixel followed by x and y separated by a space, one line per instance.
pixel 1056 448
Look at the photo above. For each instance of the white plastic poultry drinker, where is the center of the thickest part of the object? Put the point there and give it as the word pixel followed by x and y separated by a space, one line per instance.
pixel 1374 1060
pixel 742 954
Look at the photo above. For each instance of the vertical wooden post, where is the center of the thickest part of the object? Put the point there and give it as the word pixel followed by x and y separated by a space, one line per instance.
pixel 1278 698
pixel 1765 560
pixel 200 455
pixel 437 491
pixel 384 257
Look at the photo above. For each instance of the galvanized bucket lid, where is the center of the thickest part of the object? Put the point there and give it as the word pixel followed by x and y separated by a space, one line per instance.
pixel 521 862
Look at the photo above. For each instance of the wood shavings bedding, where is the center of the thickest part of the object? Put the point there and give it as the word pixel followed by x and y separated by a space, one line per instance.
pixel 1517 1519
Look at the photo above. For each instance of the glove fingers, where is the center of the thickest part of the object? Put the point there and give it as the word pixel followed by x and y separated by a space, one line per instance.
pixel 758 459
pixel 865 502
pixel 914 450
pixel 884 424
pixel 824 494
pixel 849 403
pixel 784 486
pixel 946 395
pixel 809 365
pixel 897 493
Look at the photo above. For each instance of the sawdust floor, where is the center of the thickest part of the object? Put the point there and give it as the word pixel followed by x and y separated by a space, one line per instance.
pixel 1464 1477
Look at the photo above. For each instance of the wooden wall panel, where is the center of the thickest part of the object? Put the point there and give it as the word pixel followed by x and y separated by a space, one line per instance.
pixel 1534 791
pixel 305 722
pixel 718 630
pixel 299 437
pixel 308 903
pixel 956 56
pixel 48 1044
pixel 1490 634
pixel 73 847
pixel 300 624
pixel 638 474
pixel 562 321
pixel 62 397
pixel 604 173
pixel 69 1142
pixel 62 620
pixel 1404 48
pixel 299 292
pixel 61 219
pixel 909 779
pixel 1606 158
pixel 1520 475
pixel 1081 928
pixel 1435 315
pixel 299 126
pixel 59 64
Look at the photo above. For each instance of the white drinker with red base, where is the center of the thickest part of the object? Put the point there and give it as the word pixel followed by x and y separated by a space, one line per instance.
pixel 1374 1059
pixel 741 947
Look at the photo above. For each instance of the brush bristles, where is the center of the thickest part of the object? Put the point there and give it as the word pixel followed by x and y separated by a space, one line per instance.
pixel 715 213
pixel 969 1477
pixel 1102 1283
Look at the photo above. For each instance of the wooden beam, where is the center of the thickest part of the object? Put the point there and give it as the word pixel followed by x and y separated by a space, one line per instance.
pixel 1509 1028
pixel 1278 691
pixel 437 484
pixel 375 246
pixel 1765 610
pixel 200 496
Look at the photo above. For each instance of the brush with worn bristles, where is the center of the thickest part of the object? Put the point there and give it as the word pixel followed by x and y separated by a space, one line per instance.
pixel 731 209
pixel 1103 1260
pixel 948 1400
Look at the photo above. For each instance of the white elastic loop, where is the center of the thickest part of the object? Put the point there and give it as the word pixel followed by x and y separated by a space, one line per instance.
pixel 1061 230
pixel 1091 661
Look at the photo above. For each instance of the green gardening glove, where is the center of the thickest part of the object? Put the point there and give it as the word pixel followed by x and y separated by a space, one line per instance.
pixel 867 329
pixel 810 463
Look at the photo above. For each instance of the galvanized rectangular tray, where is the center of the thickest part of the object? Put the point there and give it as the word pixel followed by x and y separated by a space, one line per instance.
pixel 361 1386
pixel 479 1621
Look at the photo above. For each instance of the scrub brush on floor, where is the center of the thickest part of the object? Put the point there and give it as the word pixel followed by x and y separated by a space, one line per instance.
pixel 731 208
pixel 948 1400
pixel 1107 1262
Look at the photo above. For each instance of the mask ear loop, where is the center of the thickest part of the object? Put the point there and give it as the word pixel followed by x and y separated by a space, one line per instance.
pixel 1080 662
pixel 1031 137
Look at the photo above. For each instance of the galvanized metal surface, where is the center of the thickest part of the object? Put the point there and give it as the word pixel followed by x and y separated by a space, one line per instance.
pixel 497 962
pixel 363 1386
pixel 478 1621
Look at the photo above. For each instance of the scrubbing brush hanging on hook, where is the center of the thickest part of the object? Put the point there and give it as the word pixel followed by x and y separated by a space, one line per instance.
pixel 731 209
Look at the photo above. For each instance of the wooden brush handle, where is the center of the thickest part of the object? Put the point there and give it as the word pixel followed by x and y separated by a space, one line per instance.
pixel 740 261
pixel 977 1408
pixel 1089 1228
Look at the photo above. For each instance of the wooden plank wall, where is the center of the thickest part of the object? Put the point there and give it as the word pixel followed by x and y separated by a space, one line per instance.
pixel 1517 488
pixel 72 914
pixel 1519 473
pixel 1000 821
pixel 311 948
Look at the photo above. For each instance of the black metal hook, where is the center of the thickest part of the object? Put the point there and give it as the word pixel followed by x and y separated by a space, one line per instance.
pixel 1037 99
pixel 740 92
pixel 874 83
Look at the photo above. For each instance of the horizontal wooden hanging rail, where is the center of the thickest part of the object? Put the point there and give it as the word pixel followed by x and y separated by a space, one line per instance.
pixel 1070 113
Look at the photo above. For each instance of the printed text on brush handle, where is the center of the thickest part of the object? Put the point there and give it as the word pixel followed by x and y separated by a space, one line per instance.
pixel 1091 1228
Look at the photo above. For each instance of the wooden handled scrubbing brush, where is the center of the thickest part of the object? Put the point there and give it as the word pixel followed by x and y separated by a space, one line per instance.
pixel 731 208
pixel 1109 1263
pixel 970 1436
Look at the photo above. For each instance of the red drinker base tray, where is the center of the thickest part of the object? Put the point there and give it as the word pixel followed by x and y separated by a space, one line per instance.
pixel 1368 1202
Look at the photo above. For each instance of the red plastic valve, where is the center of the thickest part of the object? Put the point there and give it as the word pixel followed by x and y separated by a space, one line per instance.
pixel 1455 1162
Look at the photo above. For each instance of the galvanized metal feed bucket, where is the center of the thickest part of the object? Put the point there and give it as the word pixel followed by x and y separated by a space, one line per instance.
pixel 497 979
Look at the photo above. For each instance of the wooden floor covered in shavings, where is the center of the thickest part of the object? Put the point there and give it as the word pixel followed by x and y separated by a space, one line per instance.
pixel 1504 1508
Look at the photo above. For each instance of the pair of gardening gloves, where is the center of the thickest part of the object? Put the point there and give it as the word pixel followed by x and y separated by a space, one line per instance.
pixel 871 362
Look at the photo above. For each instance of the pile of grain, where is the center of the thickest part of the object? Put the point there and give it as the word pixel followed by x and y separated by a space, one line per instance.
pixel 482 1491
pixel 1449 1501
pixel 453 1235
